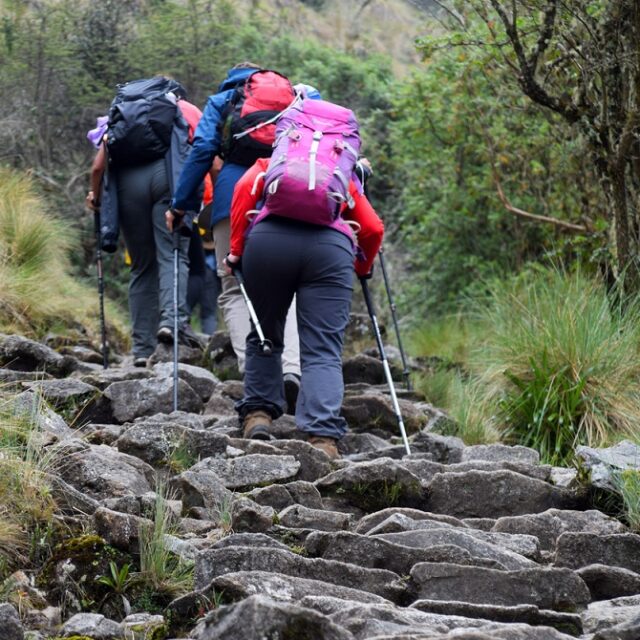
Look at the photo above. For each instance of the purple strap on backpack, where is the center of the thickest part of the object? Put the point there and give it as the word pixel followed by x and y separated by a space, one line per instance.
pixel 316 149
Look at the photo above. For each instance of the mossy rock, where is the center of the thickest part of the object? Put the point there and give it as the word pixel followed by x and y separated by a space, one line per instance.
pixel 71 573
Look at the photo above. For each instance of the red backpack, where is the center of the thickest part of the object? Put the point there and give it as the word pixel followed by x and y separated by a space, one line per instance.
pixel 248 125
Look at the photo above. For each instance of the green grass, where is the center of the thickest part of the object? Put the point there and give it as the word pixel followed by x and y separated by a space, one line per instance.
pixel 161 573
pixel 560 363
pixel 628 485
pixel 448 338
pixel 37 290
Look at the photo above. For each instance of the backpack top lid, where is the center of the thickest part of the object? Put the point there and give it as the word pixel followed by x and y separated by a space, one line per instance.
pixel 146 88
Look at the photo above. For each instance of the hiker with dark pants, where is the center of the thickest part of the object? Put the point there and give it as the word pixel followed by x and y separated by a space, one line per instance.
pixel 213 139
pixel 298 252
pixel 135 192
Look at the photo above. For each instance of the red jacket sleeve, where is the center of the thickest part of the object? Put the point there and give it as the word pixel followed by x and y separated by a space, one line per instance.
pixel 243 201
pixel 371 230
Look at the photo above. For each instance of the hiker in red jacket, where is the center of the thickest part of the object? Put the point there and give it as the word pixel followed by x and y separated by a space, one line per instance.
pixel 282 257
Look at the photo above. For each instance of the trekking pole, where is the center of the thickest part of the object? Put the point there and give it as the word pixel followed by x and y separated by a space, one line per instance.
pixel 363 173
pixel 385 362
pixel 103 326
pixel 176 251
pixel 265 344
pixel 394 317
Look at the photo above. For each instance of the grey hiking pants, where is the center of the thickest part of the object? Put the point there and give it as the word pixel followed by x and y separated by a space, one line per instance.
pixel 143 198
pixel 283 258
pixel 235 311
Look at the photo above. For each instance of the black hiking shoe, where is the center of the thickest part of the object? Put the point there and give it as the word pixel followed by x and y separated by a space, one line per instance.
pixel 187 336
pixel 165 335
pixel 291 391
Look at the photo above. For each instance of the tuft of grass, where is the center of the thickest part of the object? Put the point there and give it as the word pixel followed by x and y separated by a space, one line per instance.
pixel 560 362
pixel 37 291
pixel 161 571
pixel 27 507
pixel 628 486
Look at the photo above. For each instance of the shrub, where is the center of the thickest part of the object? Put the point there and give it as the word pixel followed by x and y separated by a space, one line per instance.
pixel 37 291
pixel 561 362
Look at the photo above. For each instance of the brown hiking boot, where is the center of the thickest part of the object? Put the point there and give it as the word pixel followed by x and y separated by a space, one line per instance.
pixel 255 426
pixel 328 445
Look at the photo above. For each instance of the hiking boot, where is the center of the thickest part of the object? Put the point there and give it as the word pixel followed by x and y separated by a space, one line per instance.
pixel 291 390
pixel 165 335
pixel 255 426
pixel 187 336
pixel 328 445
pixel 140 361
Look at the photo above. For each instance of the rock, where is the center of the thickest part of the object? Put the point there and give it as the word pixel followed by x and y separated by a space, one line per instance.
pixel 29 405
pixel 10 624
pixel 275 496
pixel 561 477
pixel 144 626
pixel 523 545
pixel 539 472
pixel 45 619
pixel 559 589
pixel 298 517
pixel 305 493
pixel 69 500
pixel 445 449
pixel 258 618
pixel 247 516
pixel 377 553
pixel 21 354
pixel 356 443
pixel 605 615
pixel 202 381
pixel 283 588
pixel 604 462
pixel 131 399
pixel 217 562
pixel 249 540
pixel 105 377
pixel 501 453
pixel 314 463
pixel 219 404
pixel 373 520
pixel 122 530
pixel 247 471
pixel 569 623
pixel 607 583
pixel 374 485
pixel 629 630
pixel 374 412
pixel 362 368
pixel 92 625
pixel 465 495
pixel 65 394
pixel 202 489
pixel 549 525
pixel 576 550
pixel 168 444
pixel 102 472
pixel 463 538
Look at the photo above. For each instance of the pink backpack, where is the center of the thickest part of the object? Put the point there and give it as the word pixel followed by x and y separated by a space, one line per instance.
pixel 315 153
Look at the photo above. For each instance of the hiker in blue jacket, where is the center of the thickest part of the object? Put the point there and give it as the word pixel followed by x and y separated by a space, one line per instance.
pixel 206 145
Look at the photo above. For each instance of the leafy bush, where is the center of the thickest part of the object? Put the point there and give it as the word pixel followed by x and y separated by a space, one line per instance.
pixel 560 362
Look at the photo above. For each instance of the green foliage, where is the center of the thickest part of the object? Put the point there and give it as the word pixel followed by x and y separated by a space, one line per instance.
pixel 460 129
pixel 560 363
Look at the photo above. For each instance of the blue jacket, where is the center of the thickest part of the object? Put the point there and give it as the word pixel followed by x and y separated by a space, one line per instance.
pixel 206 145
